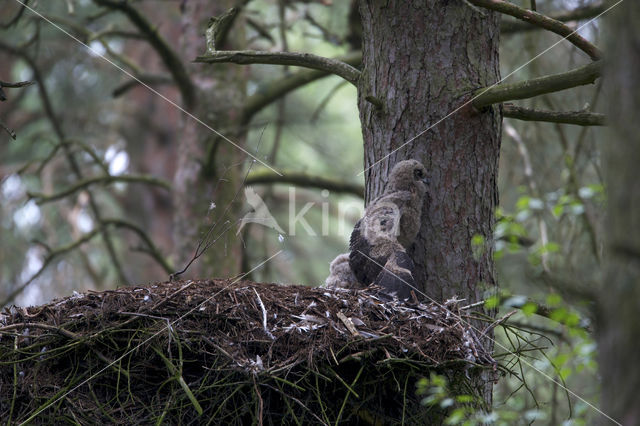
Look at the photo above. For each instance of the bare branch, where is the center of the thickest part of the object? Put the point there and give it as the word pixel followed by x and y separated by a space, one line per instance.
pixel 47 260
pixel 542 21
pixel 275 90
pixel 149 79
pixel 7 129
pixel 3 97
pixel 538 86
pixel 580 118
pixel 304 180
pixel 150 180
pixel 260 29
pixel 151 249
pixel 306 60
pixel 581 13
pixel 170 58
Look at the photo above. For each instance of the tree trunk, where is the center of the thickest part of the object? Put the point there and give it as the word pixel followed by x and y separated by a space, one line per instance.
pixel 208 167
pixel 619 301
pixel 422 60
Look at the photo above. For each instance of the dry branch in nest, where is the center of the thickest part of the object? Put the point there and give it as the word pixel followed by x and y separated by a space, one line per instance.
pixel 231 352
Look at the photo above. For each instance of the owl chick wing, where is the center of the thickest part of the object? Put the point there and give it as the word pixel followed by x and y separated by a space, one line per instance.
pixel 375 238
pixel 396 277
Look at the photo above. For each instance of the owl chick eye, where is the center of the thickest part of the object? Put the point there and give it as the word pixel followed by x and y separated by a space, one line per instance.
pixel 417 173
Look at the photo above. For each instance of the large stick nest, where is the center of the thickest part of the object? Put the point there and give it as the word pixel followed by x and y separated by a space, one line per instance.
pixel 227 352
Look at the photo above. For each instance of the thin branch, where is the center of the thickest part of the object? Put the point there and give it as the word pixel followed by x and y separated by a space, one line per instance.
pixel 148 79
pixel 580 118
pixel 84 183
pixel 323 103
pixel 260 177
pixel 170 58
pixel 7 129
pixel 275 90
pixel 306 60
pixel 3 98
pixel 114 32
pixel 47 260
pixel 151 250
pixel 260 29
pixel 542 21
pixel 579 14
pixel 537 86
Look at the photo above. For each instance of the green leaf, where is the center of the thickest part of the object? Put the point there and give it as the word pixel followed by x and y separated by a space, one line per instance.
pixel 565 372
pixel 554 299
pixel 529 308
pixel 464 399
pixel 492 302
pixel 572 319
pixel 559 314
pixel 557 210
pixel 523 203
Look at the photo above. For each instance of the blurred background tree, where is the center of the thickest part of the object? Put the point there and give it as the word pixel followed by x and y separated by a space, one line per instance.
pixel 104 184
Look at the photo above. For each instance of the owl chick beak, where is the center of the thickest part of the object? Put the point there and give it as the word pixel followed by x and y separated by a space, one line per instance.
pixel 425 180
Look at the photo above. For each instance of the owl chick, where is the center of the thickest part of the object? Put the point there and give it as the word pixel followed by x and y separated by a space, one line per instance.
pixel 380 240
pixel 341 275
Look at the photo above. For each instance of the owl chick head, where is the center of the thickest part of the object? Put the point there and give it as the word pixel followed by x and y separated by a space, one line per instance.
pixel 408 175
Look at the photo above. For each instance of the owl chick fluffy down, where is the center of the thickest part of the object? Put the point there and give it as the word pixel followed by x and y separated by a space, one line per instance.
pixel 379 241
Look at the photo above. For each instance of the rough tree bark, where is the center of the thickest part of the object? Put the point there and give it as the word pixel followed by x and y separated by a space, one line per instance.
pixel 422 60
pixel 207 166
pixel 619 301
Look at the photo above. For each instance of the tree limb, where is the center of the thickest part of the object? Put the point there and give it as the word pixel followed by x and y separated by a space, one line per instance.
pixel 275 90
pixel 170 58
pixel 259 177
pixel 581 118
pixel 581 13
pixel 538 86
pixel 542 21
pixel 84 183
pixel 306 60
